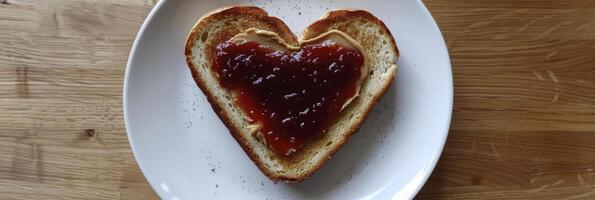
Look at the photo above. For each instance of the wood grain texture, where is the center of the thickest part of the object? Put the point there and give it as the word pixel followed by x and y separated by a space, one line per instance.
pixel 62 132
pixel 523 125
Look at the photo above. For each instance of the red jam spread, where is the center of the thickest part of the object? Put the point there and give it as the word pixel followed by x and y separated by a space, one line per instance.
pixel 293 95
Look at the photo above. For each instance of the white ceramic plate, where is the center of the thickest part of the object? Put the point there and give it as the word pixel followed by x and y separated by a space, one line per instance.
pixel 186 152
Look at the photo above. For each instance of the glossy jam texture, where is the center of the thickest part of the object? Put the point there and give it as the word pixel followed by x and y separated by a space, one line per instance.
pixel 293 95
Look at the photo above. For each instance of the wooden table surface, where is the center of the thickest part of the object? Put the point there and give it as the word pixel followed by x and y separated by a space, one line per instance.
pixel 523 124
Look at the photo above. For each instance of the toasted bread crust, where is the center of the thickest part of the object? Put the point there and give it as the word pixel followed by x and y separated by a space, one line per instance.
pixel 332 17
pixel 279 27
pixel 321 26
pixel 276 25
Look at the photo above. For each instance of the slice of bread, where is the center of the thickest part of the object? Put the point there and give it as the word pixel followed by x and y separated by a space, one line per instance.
pixel 221 25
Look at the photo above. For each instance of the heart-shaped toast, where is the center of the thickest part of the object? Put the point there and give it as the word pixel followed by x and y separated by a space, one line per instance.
pixel 291 104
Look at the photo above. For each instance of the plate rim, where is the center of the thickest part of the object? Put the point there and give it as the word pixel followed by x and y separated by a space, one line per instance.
pixel 450 100
pixel 125 92
pixel 418 186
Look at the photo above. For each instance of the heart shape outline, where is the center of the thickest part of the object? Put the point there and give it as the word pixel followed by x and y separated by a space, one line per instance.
pixel 238 18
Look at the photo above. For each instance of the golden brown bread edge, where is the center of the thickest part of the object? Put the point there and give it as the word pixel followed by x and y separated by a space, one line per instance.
pixel 276 25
